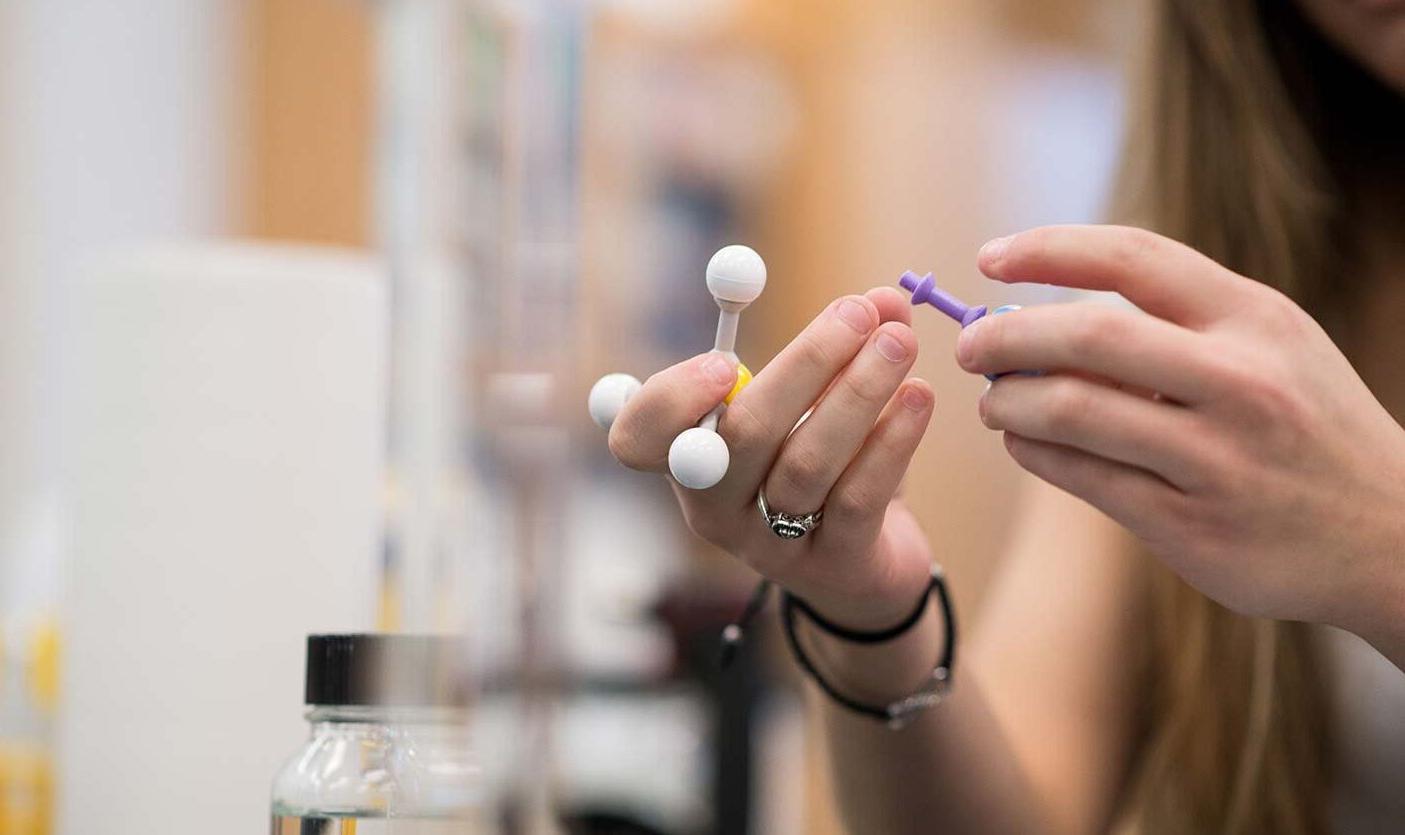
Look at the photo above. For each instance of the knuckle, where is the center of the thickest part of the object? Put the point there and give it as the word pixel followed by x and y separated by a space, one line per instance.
pixel 811 349
pixel 1268 393
pixel 1117 326
pixel 855 501
pixel 1281 415
pixel 743 429
pixel 1212 462
pixel 624 445
pixel 1132 245
pixel 1224 366
pixel 865 388
pixel 1260 391
pixel 1097 330
pixel 1067 405
pixel 798 472
pixel 1182 512
pixel 1226 472
pixel 1208 521
pixel 1277 313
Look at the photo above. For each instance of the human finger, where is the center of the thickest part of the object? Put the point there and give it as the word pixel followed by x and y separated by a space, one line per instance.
pixel 669 402
pixel 892 304
pixel 1135 498
pixel 1122 345
pixel 760 418
pixel 1161 276
pixel 855 507
pixel 820 449
pixel 1098 419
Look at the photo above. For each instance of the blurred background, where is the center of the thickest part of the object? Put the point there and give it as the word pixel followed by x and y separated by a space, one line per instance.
pixel 299 304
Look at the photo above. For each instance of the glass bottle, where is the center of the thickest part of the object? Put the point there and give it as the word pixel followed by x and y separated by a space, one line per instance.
pixel 388 752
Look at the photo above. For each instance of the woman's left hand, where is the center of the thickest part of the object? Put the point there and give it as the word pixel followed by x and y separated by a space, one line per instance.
pixel 1219 424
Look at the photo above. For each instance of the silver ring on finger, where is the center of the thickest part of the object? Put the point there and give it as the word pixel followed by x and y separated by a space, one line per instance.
pixel 787 525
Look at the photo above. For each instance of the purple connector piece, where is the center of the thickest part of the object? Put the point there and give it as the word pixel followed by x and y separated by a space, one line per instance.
pixel 925 289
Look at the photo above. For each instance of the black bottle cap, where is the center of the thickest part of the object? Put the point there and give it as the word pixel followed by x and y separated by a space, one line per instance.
pixel 385 670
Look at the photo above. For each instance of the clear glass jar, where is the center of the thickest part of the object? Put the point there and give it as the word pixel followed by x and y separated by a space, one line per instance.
pixel 378 769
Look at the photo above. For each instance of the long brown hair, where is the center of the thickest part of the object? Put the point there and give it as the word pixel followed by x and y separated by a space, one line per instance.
pixel 1237 150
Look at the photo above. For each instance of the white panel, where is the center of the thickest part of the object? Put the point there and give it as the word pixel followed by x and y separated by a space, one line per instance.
pixel 223 438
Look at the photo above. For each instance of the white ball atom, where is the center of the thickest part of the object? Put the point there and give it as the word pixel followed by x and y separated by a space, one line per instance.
pixel 698 458
pixel 608 396
pixel 736 274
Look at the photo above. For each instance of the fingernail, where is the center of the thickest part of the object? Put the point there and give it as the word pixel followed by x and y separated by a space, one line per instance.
pixel 892 348
pixel 916 398
pixel 855 315
pixel 982 407
pixel 965 343
pixel 719 368
pixel 993 249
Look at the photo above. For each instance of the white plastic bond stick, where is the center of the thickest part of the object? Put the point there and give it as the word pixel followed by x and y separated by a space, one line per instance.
pixel 726 343
pixel 712 418
pixel 727 323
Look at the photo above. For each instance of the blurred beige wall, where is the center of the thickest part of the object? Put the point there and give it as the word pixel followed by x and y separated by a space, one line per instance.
pixel 308 105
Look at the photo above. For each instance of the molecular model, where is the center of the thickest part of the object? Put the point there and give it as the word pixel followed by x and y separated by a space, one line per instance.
pixel 698 458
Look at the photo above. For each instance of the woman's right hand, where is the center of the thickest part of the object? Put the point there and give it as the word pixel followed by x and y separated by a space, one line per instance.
pixel 868 561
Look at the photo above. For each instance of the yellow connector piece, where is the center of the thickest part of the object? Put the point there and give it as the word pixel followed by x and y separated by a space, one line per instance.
pixel 743 380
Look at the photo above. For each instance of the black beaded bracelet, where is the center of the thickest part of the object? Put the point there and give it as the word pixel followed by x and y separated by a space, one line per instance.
pixel 855 636
pixel 900 712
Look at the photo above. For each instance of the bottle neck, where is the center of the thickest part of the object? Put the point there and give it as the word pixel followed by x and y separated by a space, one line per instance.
pixel 327 715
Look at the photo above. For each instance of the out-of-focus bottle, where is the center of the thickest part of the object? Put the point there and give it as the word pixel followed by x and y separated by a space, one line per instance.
pixel 389 750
